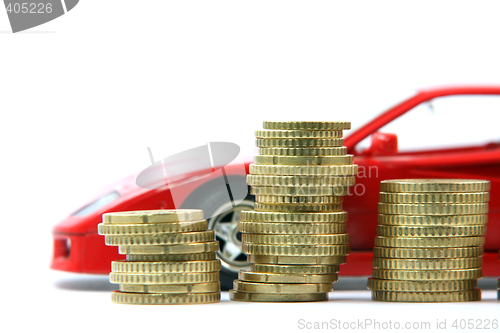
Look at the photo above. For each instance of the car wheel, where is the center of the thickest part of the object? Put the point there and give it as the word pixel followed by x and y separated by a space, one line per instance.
pixel 224 221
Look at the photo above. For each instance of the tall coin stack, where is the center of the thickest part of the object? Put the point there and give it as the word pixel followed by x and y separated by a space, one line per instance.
pixel 170 257
pixel 295 238
pixel 430 240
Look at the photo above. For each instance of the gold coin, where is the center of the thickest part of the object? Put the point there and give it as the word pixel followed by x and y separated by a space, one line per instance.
pixel 296 260
pixel 254 216
pixel 431 231
pixel 286 278
pixel 298 200
pixel 434 185
pixel 172 257
pixel 308 125
pixel 161 239
pixel 435 220
pixel 308 191
pixel 433 209
pixel 447 296
pixel 291 228
pixel 151 228
pixel 209 287
pixel 434 198
pixel 429 241
pixel 426 286
pixel 316 151
pixel 153 216
pixel 166 267
pixel 333 142
pixel 427 264
pixel 170 249
pixel 281 288
pixel 141 298
pixel 303 160
pixel 295 269
pixel 296 250
pixel 255 297
pixel 297 208
pixel 296 239
pixel 295 181
pixel 427 253
pixel 165 278
pixel 298 134
pixel 304 170
pixel 417 275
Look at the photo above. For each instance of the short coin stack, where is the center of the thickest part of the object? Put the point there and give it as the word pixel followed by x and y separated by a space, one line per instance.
pixel 295 238
pixel 430 240
pixel 170 257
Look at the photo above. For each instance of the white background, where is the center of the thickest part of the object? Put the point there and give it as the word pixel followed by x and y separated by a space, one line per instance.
pixel 83 96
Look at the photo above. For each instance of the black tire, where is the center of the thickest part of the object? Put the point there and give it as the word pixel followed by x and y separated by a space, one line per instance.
pixel 211 200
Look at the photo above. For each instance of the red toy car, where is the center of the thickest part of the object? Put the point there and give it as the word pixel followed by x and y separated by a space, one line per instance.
pixel 78 247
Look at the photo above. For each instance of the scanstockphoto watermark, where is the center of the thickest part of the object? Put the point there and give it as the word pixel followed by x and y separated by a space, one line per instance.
pixel 314 180
pixel 389 324
pixel 377 324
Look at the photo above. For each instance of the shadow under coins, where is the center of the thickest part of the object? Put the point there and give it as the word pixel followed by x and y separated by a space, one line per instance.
pixel 86 283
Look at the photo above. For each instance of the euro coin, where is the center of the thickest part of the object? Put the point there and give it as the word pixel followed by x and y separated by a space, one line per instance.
pixel 297 250
pixel 291 228
pixel 161 239
pixel 428 220
pixel 431 231
pixel 151 228
pixel 295 181
pixel 434 198
pixel 153 216
pixel 286 134
pixel 141 298
pixel 296 260
pixel 417 275
pixel 209 287
pixel 447 296
pixel 172 257
pixel 434 185
pixel 260 207
pixel 425 286
pixel 429 253
pixel 433 209
pixel 281 288
pixel 306 191
pixel 339 239
pixel 298 200
pixel 304 170
pixel 166 267
pixel 286 278
pixel 163 278
pixel 333 142
pixel 295 269
pixel 308 125
pixel 427 264
pixel 429 241
pixel 170 249
pixel 303 160
pixel 255 297
pixel 329 217
pixel 316 151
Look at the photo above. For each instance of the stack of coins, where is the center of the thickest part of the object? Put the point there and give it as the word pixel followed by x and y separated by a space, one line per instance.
pixel 170 257
pixel 430 240
pixel 295 238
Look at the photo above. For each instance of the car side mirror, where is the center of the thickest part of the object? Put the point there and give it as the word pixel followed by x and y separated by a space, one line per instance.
pixel 382 144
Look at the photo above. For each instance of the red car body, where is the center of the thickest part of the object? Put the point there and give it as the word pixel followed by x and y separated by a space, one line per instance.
pixel 78 247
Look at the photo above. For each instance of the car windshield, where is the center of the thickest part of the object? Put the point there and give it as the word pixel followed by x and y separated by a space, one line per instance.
pixel 96 204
